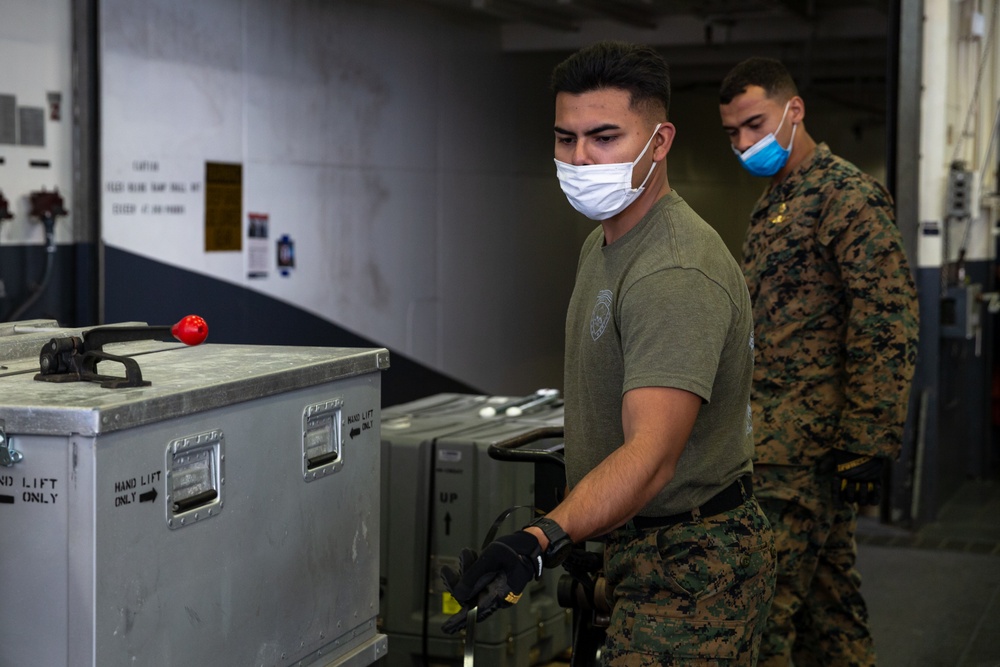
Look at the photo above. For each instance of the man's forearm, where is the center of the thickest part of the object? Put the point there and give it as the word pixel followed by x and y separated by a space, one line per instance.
pixel 611 494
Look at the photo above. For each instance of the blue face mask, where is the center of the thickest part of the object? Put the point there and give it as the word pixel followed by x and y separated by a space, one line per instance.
pixel 767 157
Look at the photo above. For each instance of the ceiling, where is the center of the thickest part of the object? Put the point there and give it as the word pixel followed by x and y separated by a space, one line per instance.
pixel 570 15
pixel 836 47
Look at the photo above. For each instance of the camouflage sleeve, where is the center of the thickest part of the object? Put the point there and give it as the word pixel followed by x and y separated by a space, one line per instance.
pixel 882 326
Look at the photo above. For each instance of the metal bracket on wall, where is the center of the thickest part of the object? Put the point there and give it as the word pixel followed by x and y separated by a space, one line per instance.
pixel 5 213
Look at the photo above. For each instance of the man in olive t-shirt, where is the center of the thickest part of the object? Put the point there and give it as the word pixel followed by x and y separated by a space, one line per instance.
pixel 665 305
pixel 658 367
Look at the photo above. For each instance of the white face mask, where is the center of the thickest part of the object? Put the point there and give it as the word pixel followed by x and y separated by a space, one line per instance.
pixel 600 191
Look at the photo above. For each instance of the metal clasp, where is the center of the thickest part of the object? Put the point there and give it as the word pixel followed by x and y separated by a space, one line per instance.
pixel 8 455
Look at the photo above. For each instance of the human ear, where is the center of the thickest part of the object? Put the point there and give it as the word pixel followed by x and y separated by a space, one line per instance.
pixel 796 110
pixel 664 140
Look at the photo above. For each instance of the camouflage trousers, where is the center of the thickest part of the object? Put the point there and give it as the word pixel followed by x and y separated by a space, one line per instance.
pixel 818 616
pixel 693 594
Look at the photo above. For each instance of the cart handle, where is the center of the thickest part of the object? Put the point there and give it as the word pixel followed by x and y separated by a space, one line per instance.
pixel 507 450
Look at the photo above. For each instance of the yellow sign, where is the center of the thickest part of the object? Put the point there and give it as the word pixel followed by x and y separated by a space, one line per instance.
pixel 223 206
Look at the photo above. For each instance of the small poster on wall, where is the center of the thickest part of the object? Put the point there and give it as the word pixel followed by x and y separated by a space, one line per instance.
pixel 223 206
pixel 257 247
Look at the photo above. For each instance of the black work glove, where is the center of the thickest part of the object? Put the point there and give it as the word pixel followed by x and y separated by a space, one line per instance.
pixel 493 580
pixel 859 477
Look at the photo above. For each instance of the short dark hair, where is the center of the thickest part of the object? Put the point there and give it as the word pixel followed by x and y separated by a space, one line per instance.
pixel 767 73
pixel 639 70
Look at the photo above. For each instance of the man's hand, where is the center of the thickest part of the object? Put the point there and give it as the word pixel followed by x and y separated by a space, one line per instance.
pixel 493 580
pixel 859 478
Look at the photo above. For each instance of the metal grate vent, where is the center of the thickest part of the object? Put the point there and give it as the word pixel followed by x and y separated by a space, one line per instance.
pixel 32 121
pixel 8 119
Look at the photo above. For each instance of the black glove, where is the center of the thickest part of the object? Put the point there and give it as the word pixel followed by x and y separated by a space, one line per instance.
pixel 859 478
pixel 493 580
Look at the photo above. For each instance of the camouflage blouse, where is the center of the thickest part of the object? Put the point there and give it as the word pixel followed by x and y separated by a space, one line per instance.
pixel 835 315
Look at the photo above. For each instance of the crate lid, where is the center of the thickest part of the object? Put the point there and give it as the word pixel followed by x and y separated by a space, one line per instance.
pixel 184 380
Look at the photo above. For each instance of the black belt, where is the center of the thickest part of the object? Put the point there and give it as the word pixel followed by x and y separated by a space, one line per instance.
pixel 728 499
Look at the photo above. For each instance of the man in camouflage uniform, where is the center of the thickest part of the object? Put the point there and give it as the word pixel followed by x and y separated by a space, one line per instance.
pixel 659 361
pixel 835 319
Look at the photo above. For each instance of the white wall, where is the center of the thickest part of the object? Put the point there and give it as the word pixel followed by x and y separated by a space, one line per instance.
pixel 961 95
pixel 381 138
pixel 35 47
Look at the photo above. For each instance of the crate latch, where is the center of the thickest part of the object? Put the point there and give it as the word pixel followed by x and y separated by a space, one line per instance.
pixel 8 455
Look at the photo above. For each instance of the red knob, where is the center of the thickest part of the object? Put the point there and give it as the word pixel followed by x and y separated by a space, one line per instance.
pixel 191 330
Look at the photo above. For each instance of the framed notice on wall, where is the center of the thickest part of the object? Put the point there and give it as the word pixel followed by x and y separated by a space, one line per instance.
pixel 257 248
pixel 223 206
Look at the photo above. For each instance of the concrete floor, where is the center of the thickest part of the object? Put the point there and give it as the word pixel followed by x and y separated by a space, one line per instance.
pixel 934 594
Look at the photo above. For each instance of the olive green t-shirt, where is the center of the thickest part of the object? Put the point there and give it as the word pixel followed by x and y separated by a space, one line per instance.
pixel 663 306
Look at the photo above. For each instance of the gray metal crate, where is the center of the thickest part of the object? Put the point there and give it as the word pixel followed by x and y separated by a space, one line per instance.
pixel 228 514
pixel 442 492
